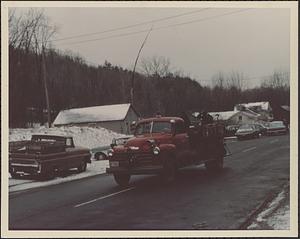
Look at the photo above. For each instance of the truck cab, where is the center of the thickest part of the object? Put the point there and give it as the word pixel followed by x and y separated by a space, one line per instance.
pixel 162 145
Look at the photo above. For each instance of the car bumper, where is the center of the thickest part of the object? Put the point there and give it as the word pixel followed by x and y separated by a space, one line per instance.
pixel 34 170
pixel 279 132
pixel 245 136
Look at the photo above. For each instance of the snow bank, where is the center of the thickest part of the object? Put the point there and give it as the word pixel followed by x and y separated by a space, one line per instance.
pixel 276 215
pixel 83 136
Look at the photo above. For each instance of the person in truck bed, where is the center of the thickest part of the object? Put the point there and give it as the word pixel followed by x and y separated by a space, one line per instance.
pixel 205 118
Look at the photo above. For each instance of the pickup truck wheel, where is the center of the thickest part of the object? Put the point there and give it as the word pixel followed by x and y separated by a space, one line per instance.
pixel 169 171
pixel 100 156
pixel 215 165
pixel 122 179
pixel 50 174
pixel 81 167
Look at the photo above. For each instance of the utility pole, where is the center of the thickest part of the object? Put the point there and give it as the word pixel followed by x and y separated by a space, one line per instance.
pixel 132 78
pixel 46 87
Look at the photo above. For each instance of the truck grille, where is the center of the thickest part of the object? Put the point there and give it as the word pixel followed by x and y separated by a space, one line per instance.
pixel 20 161
pixel 135 160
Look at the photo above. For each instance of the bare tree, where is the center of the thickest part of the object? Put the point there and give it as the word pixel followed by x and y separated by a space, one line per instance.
pixel 219 80
pixel 277 80
pixel 155 65
pixel 237 80
pixel 32 31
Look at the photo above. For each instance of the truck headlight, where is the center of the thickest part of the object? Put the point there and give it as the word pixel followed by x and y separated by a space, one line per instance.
pixel 110 153
pixel 156 150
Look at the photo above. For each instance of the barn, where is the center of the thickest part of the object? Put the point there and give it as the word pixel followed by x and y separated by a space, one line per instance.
pixel 115 117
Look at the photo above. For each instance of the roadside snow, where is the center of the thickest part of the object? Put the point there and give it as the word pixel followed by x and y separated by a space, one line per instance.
pixel 276 216
pixel 96 167
pixel 83 136
pixel 281 219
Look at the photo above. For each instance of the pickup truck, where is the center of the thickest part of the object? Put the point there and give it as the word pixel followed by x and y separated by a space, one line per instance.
pixel 44 155
pixel 162 145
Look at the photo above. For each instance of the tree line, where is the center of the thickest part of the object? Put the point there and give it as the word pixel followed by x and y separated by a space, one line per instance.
pixel 72 82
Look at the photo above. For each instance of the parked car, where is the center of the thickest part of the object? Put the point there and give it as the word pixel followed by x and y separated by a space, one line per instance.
pixel 262 128
pixel 276 128
pixel 101 153
pixel 120 141
pixel 230 130
pixel 44 155
pixel 247 131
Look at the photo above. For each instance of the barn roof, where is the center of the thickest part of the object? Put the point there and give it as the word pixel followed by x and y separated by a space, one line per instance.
pixel 92 114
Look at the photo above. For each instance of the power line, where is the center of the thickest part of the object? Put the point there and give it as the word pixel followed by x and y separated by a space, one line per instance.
pixel 129 26
pixel 158 28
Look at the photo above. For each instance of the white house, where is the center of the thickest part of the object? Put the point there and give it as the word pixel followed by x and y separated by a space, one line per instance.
pixel 264 109
pixel 114 117
pixel 235 117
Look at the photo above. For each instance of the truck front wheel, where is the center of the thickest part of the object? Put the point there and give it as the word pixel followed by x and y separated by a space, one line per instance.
pixel 81 167
pixel 122 179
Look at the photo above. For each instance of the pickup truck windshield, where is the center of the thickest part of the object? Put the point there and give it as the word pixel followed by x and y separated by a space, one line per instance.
pixel 153 127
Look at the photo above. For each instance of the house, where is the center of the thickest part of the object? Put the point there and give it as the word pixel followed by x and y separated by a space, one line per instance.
pixel 264 109
pixel 282 112
pixel 235 117
pixel 116 117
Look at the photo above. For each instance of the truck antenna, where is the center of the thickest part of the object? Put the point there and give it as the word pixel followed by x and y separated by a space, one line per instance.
pixel 138 55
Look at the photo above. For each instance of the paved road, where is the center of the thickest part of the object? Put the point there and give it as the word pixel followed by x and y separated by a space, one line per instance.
pixel 196 200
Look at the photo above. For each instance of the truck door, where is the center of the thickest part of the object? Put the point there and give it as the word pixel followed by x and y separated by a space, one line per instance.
pixel 181 141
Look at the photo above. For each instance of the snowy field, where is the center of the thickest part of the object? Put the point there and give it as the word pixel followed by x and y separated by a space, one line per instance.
pixel 83 136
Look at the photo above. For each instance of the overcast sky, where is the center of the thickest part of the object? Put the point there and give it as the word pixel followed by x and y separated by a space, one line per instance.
pixel 254 42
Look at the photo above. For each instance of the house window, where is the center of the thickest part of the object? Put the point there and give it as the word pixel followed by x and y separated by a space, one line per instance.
pixel 240 118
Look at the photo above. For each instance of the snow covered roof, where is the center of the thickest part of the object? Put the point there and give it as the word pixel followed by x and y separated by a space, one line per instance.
pixel 92 114
pixel 225 115
pixel 265 105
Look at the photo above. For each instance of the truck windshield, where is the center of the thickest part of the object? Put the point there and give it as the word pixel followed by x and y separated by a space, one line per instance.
pixel 153 127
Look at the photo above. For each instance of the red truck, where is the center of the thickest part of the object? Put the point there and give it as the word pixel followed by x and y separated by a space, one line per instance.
pixel 162 145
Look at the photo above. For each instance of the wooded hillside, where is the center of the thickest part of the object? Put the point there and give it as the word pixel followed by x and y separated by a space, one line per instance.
pixel 72 82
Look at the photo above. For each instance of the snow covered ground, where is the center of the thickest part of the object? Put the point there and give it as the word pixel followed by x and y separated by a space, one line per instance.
pixel 276 215
pixel 83 136
pixel 96 167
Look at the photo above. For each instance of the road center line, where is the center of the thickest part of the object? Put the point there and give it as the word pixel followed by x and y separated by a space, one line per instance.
pixel 273 141
pixel 103 197
pixel 246 150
